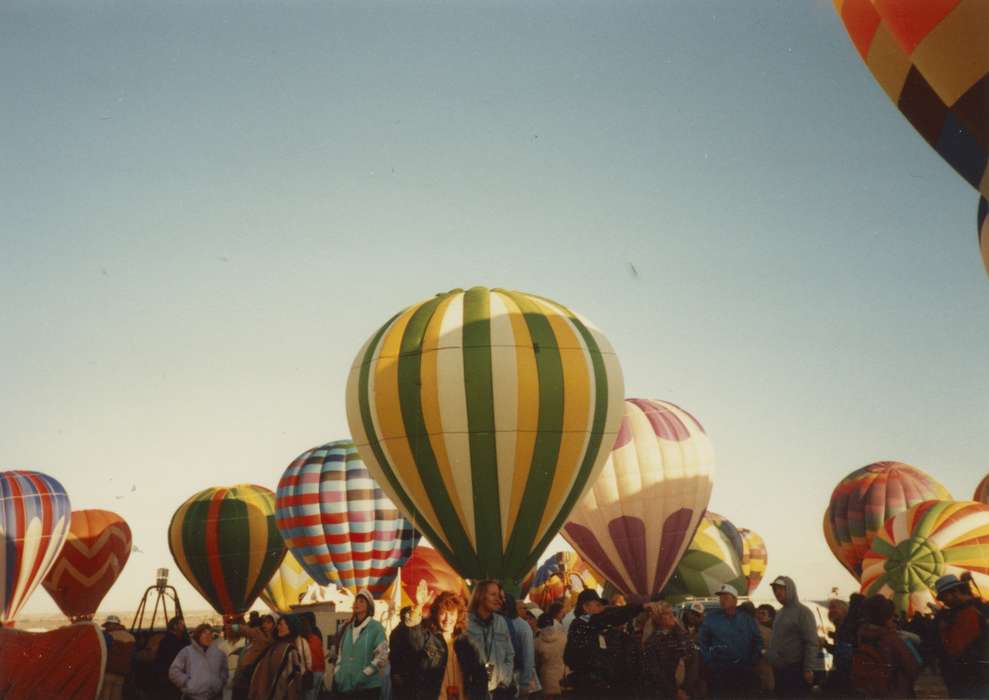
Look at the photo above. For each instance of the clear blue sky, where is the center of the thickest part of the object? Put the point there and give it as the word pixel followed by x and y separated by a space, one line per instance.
pixel 205 210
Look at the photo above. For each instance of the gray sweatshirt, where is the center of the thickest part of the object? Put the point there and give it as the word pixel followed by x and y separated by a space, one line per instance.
pixel 794 633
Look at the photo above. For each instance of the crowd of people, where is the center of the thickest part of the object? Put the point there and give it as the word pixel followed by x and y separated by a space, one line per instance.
pixel 493 648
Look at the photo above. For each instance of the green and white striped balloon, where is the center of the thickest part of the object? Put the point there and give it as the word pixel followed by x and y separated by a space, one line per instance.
pixel 485 415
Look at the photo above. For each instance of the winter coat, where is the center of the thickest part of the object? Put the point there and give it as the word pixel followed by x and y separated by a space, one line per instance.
pixel 730 641
pixel 794 633
pixel 495 643
pixel 903 665
pixel 198 673
pixel 767 679
pixel 549 646
pixel 278 674
pixel 363 652
pixel 668 663
pixel 401 657
pixel 592 665
pixel 427 660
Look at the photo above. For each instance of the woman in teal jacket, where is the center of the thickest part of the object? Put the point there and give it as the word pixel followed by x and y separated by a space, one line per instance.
pixel 362 651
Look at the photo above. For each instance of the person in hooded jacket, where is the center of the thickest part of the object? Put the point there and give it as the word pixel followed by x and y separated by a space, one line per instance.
pixel 443 662
pixel 200 670
pixel 793 649
pixel 879 631
pixel 361 653
pixel 549 646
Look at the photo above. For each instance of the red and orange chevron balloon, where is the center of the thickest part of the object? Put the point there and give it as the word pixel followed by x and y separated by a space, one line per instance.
pixel 97 547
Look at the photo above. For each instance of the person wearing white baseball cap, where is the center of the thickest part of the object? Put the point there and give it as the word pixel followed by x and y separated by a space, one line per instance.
pixel 731 646
pixel 793 648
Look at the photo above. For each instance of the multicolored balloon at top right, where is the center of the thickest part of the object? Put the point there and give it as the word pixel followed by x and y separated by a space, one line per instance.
pixel 930 57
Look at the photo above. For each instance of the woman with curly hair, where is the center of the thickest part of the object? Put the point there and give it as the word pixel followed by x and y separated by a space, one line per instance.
pixel 446 664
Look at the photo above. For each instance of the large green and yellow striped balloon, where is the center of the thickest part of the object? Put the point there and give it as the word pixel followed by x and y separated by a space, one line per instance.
pixel 485 415
pixel 227 545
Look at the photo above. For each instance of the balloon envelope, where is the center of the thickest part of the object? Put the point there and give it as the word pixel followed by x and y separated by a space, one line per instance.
pixel 866 498
pixel 915 548
pixel 34 522
pixel 982 491
pixel 712 560
pixel 338 521
pixel 754 558
pixel 559 573
pixel 95 552
pixel 427 564
pixel 642 512
pixel 485 415
pixel 933 65
pixel 226 543
pixel 287 587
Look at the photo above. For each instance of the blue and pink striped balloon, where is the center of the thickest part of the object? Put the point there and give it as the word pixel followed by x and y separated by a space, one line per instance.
pixel 338 522
pixel 35 514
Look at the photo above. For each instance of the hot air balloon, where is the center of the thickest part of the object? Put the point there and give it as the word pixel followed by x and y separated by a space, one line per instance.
pixel 226 543
pixel 866 498
pixel 337 521
pixel 833 545
pixel 426 564
pixel 95 551
pixel 287 587
pixel 639 517
pixel 558 574
pixel 754 558
pixel 983 228
pixel 34 521
pixel 485 415
pixel 982 491
pixel 930 58
pixel 711 561
pixel 915 548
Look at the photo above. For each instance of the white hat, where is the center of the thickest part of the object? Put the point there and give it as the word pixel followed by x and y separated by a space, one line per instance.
pixel 779 581
pixel 697 607
pixel 730 590
pixel 111 620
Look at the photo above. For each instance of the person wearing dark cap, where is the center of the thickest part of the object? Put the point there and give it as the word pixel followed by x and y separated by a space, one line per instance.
pixel 964 639
pixel 731 646
pixel 793 647
pixel 587 652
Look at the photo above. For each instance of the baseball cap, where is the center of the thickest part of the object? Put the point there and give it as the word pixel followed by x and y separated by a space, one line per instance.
pixel 946 583
pixel 779 581
pixel 111 620
pixel 730 590
pixel 697 607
